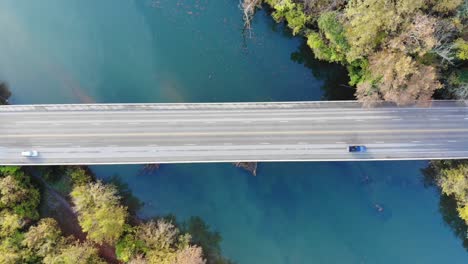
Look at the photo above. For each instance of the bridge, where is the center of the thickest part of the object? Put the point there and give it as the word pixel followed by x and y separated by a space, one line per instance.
pixel 230 132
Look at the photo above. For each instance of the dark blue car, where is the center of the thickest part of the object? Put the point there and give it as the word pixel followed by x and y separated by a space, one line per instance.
pixel 357 149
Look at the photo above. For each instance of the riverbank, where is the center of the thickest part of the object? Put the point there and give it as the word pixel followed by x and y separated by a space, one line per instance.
pixel 386 47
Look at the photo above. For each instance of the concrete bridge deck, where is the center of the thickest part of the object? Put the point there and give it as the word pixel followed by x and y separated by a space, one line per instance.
pixel 228 132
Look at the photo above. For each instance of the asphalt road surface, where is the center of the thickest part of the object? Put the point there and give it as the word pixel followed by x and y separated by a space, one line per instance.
pixel 216 132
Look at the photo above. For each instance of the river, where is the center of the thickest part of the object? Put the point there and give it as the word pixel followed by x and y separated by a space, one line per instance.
pixel 109 51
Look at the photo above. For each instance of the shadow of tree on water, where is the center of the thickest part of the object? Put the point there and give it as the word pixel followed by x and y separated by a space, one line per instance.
pixel 128 199
pixel 447 204
pixel 202 235
pixel 335 76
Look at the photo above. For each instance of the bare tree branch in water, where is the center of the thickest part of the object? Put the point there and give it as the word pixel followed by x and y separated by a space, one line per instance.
pixel 149 169
pixel 249 7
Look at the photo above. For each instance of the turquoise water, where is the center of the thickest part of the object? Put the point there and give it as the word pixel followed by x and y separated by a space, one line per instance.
pixel 83 51
pixel 305 212
pixel 58 51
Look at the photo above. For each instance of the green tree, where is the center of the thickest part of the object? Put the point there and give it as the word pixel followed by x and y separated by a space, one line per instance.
pixel 159 242
pixel 452 178
pixel 334 32
pixel 10 249
pixel 10 223
pixel 99 212
pixel 292 12
pixel 369 22
pixel 446 6
pixel 19 195
pixel 79 175
pixel 75 253
pixel 44 239
pixel 462 49
pixel 320 48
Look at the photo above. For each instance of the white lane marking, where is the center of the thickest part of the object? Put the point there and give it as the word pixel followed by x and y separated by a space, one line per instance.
pixel 434 119
pixel 133 123
pixel 283 121
pixel 466 118
pixel 227 143
pixel 415 141
pixel 210 122
pixel 190 144
pixel 397 119
pixel 340 142
pixel 96 124
pixel 265 143
pixel 302 143
pixel 451 141
pixel 379 142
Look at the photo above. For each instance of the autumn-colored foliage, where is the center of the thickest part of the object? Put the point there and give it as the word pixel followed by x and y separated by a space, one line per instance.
pixel 394 50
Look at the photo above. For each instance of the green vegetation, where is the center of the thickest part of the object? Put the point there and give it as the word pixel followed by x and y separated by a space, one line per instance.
pixel 158 242
pixel 23 242
pixel 24 238
pixel 132 203
pixel 99 211
pixel 75 253
pixel 451 176
pixel 17 195
pixel 400 51
pixel 208 240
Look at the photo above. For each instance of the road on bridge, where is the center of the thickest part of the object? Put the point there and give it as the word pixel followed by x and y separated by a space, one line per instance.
pixel 179 133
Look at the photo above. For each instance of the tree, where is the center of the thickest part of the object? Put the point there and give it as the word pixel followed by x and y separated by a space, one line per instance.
pixel 10 223
pixel 190 255
pixel 321 50
pixel 452 178
pixel 292 12
pixel 367 23
pixel 417 37
pixel 10 251
pixel 462 49
pixel 371 21
pixel 75 253
pixel 398 78
pixel 79 175
pixel 99 212
pixel 445 6
pixel 331 45
pixel 44 239
pixel 159 242
pixel 317 7
pixel 18 195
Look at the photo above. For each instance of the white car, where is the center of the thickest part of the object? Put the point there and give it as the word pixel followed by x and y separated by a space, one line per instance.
pixel 31 153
